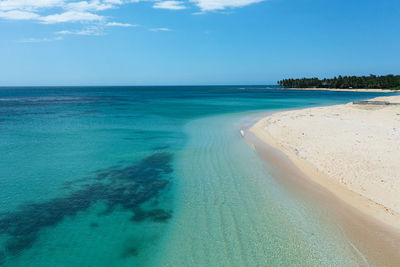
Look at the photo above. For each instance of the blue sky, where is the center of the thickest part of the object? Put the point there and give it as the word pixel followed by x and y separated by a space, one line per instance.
pixel 145 42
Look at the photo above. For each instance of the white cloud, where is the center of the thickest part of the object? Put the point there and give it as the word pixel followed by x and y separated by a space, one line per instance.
pixel 62 11
pixel 117 2
pixel 96 30
pixel 71 16
pixel 92 31
pixel 18 15
pixel 160 30
pixel 94 5
pixel 88 12
pixel 59 11
pixel 40 40
pixel 118 24
pixel 29 4
pixel 171 5
pixel 212 5
pixel 65 32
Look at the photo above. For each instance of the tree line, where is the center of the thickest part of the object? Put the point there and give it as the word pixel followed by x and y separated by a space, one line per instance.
pixel 344 82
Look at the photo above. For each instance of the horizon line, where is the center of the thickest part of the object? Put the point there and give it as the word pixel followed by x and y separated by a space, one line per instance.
pixel 147 85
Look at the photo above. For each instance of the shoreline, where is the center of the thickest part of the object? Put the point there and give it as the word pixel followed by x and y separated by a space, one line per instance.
pixel 344 90
pixel 366 205
pixel 377 236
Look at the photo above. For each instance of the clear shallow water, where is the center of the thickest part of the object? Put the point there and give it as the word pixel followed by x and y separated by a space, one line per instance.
pixel 146 176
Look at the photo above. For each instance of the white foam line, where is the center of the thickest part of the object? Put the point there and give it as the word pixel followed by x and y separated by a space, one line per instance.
pixel 359 253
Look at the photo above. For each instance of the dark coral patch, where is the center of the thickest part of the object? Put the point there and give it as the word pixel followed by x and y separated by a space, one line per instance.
pixel 130 252
pixel 157 215
pixel 94 225
pixel 127 188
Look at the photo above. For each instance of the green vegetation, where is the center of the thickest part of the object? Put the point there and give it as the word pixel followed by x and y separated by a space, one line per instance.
pixel 346 82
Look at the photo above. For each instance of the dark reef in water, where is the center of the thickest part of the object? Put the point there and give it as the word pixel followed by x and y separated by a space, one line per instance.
pixel 123 187
pixel 94 225
pixel 130 252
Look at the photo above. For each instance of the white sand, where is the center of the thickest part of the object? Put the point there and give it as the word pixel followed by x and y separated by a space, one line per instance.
pixel 352 150
pixel 345 90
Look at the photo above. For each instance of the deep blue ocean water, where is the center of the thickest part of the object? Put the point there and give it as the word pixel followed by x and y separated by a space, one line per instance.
pixel 150 176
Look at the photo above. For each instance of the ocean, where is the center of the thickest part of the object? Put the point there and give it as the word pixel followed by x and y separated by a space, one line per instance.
pixel 152 176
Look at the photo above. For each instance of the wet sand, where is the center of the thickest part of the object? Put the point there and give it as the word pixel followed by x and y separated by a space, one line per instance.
pixel 352 150
pixel 377 242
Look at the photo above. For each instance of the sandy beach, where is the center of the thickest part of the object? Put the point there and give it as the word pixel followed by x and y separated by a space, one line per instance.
pixel 352 150
pixel 345 90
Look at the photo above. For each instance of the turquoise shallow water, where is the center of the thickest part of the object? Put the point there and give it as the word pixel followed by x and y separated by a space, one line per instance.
pixel 151 176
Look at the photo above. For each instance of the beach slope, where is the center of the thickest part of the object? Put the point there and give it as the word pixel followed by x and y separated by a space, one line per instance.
pixel 353 150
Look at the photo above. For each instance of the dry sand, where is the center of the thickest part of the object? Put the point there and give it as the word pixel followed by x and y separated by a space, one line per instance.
pixel 345 90
pixel 352 150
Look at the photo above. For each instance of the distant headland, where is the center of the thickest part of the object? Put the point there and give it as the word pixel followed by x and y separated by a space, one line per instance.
pixel 391 82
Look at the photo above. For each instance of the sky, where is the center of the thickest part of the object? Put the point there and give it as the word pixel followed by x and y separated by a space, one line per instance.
pixel 194 42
